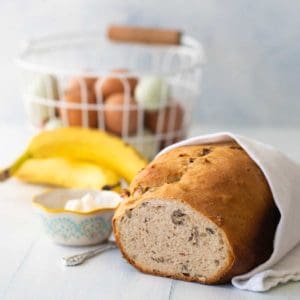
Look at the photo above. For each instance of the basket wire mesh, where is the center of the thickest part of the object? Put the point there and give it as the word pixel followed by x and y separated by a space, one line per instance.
pixel 50 64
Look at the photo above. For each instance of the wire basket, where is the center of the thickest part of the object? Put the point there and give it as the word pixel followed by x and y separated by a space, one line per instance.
pixel 143 93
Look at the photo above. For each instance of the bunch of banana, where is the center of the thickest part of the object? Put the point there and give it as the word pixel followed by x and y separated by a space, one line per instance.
pixel 76 157
pixel 66 173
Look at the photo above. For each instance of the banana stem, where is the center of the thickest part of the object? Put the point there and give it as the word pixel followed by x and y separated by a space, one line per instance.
pixel 10 171
pixel 109 187
pixel 4 174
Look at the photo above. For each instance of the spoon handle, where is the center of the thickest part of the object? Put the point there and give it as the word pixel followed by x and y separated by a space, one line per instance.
pixel 78 259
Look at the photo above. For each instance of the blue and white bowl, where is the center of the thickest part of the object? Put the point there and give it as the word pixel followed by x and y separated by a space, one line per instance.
pixel 75 228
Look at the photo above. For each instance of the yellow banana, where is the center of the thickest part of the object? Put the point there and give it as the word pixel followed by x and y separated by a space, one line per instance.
pixel 66 173
pixel 89 145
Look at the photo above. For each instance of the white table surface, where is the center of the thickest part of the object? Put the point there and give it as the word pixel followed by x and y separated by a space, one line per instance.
pixel 30 266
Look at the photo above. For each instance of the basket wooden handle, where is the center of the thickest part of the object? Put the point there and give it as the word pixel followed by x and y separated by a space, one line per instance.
pixel 143 35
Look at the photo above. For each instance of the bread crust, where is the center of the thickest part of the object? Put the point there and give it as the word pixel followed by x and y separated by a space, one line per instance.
pixel 221 182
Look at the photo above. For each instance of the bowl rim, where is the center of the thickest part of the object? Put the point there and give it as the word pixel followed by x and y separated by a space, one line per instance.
pixel 62 210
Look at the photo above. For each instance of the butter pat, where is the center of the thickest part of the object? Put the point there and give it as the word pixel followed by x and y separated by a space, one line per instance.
pixel 104 199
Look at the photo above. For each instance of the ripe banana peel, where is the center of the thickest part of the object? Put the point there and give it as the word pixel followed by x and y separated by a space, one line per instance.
pixel 75 143
pixel 66 173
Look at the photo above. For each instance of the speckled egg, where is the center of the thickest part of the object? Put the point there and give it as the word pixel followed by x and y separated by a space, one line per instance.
pixel 152 92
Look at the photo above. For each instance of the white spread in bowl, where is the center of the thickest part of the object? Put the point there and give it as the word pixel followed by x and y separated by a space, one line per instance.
pixel 104 199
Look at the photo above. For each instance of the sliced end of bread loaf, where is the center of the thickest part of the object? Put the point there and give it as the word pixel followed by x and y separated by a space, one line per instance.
pixel 169 238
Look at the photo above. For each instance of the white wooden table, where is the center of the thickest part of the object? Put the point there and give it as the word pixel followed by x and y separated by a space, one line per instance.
pixel 30 265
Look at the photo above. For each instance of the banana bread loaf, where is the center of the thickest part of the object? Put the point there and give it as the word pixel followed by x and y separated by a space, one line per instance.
pixel 199 213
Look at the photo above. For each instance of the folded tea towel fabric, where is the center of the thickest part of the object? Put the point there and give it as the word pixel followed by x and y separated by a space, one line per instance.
pixel 283 176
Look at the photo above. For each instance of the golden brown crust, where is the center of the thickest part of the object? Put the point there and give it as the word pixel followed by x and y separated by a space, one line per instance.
pixel 226 186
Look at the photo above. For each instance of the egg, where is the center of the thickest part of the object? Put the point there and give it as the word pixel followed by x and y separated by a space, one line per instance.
pixel 115 111
pixel 44 87
pixel 38 114
pixel 112 85
pixel 73 94
pixel 172 119
pixel 152 92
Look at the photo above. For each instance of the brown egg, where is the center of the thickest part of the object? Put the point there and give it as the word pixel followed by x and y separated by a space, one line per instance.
pixel 174 109
pixel 75 85
pixel 114 113
pixel 73 95
pixel 111 85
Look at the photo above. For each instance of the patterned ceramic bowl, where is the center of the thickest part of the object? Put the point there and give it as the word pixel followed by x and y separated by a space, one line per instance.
pixel 75 228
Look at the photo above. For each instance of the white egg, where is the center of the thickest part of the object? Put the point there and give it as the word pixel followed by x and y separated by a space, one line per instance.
pixel 43 87
pixel 38 114
pixel 151 92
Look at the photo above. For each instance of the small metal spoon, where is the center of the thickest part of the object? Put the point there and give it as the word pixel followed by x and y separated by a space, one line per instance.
pixel 78 259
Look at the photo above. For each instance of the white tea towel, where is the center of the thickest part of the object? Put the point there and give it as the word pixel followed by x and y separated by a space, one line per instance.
pixel 283 176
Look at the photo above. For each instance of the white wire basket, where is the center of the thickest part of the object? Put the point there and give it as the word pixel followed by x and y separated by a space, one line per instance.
pixel 83 79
